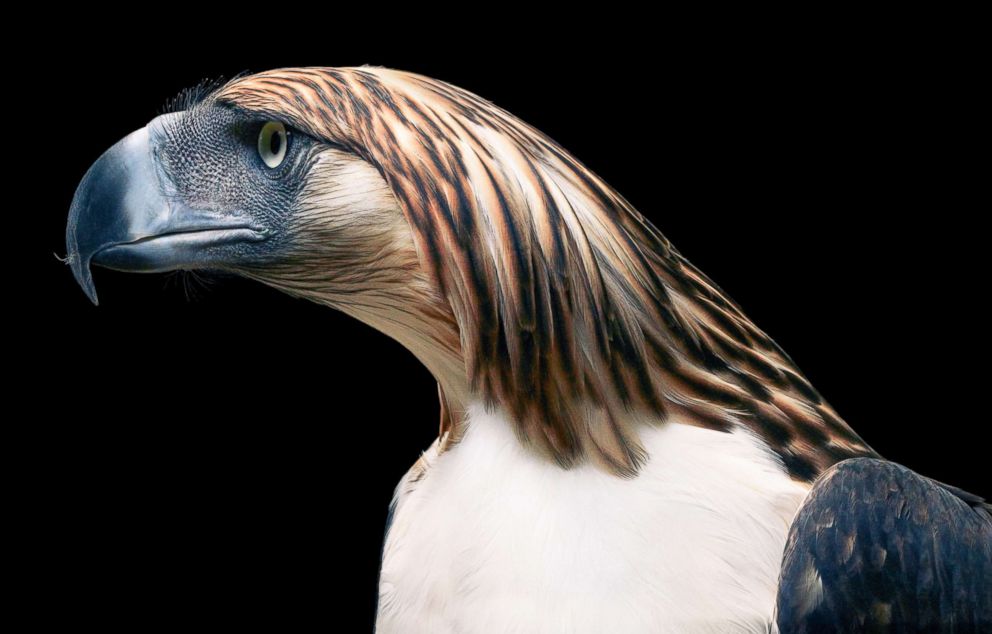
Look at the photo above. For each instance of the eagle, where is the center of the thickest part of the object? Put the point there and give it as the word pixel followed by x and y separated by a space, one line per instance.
pixel 620 448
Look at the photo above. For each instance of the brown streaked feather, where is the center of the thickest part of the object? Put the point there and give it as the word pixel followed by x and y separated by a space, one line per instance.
pixel 573 312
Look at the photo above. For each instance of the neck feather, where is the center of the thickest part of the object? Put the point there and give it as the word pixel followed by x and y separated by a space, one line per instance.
pixel 548 294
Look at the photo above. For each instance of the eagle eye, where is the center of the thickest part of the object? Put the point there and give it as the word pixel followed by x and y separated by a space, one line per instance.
pixel 272 142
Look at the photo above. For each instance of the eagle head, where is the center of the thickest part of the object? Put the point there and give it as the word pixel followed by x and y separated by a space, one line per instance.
pixel 516 275
pixel 237 181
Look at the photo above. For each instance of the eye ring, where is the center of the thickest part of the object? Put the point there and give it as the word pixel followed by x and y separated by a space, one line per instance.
pixel 273 140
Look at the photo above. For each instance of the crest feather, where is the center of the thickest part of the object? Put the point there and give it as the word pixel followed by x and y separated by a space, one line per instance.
pixel 574 313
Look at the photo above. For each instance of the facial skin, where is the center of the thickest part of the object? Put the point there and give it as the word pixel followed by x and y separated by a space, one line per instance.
pixel 210 157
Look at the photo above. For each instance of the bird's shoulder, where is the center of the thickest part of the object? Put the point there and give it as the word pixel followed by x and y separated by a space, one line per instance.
pixel 878 545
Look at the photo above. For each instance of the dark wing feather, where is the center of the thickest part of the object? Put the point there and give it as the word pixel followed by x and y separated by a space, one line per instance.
pixel 877 547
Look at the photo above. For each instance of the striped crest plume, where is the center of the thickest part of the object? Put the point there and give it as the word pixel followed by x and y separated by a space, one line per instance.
pixel 574 313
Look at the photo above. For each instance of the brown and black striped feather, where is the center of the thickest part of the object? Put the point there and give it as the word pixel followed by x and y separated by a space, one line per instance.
pixel 574 313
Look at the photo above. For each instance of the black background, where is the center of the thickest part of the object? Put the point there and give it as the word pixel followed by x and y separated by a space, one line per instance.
pixel 217 453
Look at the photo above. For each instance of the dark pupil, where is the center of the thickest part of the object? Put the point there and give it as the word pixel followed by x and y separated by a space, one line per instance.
pixel 275 143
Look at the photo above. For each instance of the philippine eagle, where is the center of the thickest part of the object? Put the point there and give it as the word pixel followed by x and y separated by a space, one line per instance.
pixel 620 449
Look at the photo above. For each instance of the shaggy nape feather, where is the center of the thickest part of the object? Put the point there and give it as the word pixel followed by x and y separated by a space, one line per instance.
pixel 571 311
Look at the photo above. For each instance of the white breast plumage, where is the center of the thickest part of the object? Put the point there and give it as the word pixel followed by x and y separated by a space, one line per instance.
pixel 493 539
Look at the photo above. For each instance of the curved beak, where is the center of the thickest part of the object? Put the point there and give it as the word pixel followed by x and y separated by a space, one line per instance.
pixel 124 216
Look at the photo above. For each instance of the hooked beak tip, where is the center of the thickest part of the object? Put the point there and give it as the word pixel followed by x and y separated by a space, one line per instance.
pixel 78 262
pixel 84 277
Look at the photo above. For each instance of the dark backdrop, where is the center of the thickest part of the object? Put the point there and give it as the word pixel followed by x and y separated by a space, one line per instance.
pixel 215 452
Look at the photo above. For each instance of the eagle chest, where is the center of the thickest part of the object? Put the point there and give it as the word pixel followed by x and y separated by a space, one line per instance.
pixel 489 538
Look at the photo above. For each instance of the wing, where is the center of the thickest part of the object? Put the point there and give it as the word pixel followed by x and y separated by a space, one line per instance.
pixel 876 547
